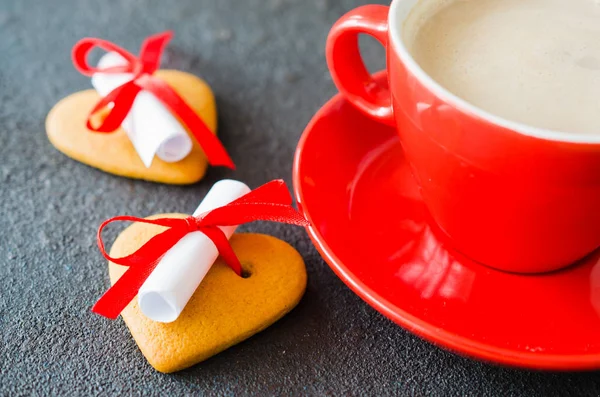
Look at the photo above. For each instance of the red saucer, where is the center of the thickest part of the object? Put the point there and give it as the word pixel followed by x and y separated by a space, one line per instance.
pixel 370 225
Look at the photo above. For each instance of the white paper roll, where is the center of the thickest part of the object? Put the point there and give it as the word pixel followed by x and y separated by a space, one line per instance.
pixel 170 286
pixel 150 126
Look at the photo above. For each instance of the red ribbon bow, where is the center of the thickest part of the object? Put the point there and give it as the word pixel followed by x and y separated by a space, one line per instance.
pixel 143 69
pixel 270 202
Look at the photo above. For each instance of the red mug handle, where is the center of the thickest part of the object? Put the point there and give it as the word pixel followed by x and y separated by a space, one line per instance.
pixel 346 65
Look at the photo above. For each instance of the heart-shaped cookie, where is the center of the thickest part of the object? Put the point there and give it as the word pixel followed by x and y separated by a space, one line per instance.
pixel 114 152
pixel 225 309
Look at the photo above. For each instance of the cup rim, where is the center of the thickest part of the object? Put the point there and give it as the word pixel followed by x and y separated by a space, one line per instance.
pixel 399 11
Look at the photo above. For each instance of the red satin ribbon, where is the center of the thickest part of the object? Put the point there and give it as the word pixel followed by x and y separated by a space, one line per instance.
pixel 143 69
pixel 270 202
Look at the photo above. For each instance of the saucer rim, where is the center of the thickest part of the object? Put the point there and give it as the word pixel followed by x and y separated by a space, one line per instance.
pixel 434 334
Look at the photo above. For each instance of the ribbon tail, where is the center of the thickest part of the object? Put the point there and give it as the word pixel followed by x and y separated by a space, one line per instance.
pixel 249 212
pixel 270 202
pixel 220 241
pixel 152 49
pixel 141 263
pixel 275 191
pixel 213 148
pixel 112 303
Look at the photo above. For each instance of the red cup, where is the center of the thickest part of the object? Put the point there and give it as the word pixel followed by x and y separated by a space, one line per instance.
pixel 511 196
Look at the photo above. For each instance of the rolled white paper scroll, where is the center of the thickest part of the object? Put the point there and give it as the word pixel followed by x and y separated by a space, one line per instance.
pixel 170 286
pixel 150 126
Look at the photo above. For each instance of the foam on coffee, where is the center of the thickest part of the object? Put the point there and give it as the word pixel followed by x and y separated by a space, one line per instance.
pixel 532 61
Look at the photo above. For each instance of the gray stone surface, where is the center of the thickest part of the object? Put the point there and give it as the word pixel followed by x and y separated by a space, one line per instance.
pixel 265 62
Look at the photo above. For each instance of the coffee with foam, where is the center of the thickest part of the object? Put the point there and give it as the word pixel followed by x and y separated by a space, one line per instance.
pixel 531 61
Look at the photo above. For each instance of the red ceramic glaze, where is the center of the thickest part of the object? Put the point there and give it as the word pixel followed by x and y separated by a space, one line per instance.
pixel 371 225
pixel 511 196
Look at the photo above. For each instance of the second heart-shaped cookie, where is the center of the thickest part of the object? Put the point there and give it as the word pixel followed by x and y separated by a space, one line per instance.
pixel 225 309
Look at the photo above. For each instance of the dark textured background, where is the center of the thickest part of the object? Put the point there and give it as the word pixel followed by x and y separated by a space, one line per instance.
pixel 265 62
